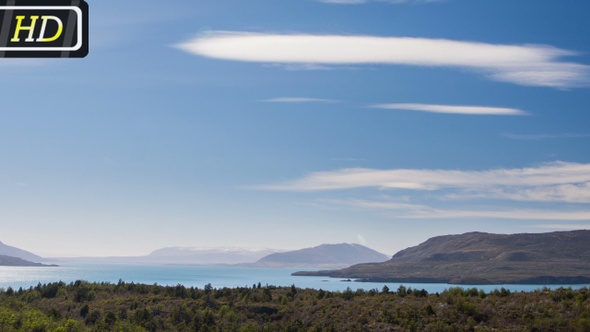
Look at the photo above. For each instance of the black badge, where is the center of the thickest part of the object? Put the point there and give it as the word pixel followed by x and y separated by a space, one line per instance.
pixel 43 29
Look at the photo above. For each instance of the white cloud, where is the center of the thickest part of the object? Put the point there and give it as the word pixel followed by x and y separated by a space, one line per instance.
pixel 563 226
pixel 511 214
pixel 299 100
pixel 571 193
pixel 453 109
pixel 305 66
pixel 549 182
pixel 414 211
pixel 532 65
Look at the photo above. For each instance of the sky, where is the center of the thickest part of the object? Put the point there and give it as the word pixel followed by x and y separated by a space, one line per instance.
pixel 288 124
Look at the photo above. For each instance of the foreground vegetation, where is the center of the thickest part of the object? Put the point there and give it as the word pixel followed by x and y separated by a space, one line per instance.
pixel 83 306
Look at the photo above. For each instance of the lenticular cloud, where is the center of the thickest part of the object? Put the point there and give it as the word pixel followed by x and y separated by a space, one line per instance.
pixel 533 65
pixel 550 182
pixel 453 109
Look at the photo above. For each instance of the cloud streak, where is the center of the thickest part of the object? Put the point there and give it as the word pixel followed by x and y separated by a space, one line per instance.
pixel 531 65
pixel 549 182
pixel 563 226
pixel 453 109
pixel 414 211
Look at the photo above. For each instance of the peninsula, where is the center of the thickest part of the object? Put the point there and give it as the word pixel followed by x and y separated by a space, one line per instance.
pixel 482 258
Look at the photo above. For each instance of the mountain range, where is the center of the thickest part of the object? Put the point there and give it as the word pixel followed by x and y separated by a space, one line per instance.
pixel 470 258
pixel 323 256
pixel 187 255
pixel 482 258
pixel 183 256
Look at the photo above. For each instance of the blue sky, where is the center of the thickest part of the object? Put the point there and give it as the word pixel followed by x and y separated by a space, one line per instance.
pixel 294 123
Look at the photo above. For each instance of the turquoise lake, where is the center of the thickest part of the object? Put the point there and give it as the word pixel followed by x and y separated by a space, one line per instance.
pixel 217 276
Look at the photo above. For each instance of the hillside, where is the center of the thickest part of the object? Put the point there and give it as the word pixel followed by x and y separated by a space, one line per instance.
pixel 15 261
pixel 324 256
pixel 481 258
pixel 16 252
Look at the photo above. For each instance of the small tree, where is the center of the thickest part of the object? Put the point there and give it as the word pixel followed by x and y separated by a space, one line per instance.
pixel 402 291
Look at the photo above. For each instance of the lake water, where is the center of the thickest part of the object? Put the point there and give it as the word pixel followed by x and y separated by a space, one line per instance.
pixel 218 276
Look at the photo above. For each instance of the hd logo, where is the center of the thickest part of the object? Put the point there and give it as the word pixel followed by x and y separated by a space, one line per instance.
pixel 43 28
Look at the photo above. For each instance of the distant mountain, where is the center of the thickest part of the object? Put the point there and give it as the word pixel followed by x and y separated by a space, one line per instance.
pixel 324 256
pixel 16 252
pixel 185 255
pixel 15 261
pixel 481 258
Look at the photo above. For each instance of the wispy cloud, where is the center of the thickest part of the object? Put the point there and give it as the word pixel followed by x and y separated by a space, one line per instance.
pixel 571 193
pixel 532 65
pixel 300 100
pixel 549 182
pixel 415 211
pixel 539 137
pixel 453 109
pixel 305 66
pixel 563 226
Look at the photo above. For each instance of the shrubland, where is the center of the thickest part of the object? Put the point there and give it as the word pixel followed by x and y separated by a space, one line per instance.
pixel 83 306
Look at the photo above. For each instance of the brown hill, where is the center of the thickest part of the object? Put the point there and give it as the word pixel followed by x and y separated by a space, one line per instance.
pixel 481 258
